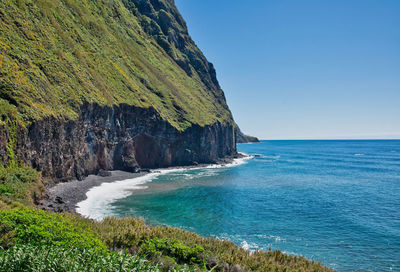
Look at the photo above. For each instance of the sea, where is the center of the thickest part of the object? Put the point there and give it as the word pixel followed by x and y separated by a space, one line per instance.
pixel 333 201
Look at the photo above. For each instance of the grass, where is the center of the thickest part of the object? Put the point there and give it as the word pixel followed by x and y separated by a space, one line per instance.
pixel 57 54
pixel 132 233
pixel 44 258
pixel 23 225
pixel 7 111
pixel 21 184
pixel 174 249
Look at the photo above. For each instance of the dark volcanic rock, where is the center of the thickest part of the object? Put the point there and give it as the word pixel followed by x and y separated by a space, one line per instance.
pixel 104 173
pixel 243 138
pixel 117 138
pixel 59 200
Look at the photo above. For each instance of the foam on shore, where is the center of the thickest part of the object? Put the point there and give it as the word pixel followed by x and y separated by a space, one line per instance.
pixel 97 204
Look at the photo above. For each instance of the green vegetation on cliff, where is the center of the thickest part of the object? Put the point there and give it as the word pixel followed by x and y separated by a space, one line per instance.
pixel 56 55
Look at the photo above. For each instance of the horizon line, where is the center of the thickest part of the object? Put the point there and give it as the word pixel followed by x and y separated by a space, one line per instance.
pixel 331 139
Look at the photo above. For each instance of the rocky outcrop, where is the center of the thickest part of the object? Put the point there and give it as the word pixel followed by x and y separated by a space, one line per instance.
pixel 118 138
pixel 243 138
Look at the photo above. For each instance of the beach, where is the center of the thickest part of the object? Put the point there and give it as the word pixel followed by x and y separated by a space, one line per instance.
pixel 63 197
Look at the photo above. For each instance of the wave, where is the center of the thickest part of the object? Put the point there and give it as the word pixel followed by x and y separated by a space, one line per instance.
pixel 98 199
pixel 235 162
pixel 276 238
pixel 267 158
pixel 247 246
pixel 97 204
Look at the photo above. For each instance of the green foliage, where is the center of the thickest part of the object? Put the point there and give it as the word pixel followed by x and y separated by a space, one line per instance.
pixel 172 248
pixel 36 240
pixel 7 111
pixel 45 258
pixel 22 173
pixel 20 183
pixel 33 226
pixel 6 190
pixel 9 120
pixel 57 54
pixel 159 243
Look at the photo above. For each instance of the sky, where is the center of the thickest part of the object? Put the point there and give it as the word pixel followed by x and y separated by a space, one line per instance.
pixel 310 69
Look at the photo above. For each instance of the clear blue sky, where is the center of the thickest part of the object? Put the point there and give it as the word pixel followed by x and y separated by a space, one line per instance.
pixel 304 69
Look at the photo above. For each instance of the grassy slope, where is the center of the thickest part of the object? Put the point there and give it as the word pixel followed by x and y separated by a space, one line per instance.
pixel 57 54
pixel 26 233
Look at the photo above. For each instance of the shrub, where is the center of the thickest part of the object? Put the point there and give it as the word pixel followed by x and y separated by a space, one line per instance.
pixel 173 248
pixel 37 227
pixel 21 173
pixel 157 243
pixel 20 183
pixel 52 258
pixel 7 111
pixel 6 190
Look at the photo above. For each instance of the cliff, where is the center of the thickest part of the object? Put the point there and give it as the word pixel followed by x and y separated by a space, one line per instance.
pixel 91 85
pixel 242 138
pixel 120 137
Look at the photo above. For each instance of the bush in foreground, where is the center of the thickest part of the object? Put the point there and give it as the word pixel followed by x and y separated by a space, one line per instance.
pixel 132 233
pixel 20 183
pixel 32 226
pixel 47 258
pixel 174 249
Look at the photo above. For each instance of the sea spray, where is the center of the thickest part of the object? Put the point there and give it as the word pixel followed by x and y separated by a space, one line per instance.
pixel 97 205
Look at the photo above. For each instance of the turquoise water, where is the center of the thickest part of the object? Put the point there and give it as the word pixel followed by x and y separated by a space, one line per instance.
pixel 337 202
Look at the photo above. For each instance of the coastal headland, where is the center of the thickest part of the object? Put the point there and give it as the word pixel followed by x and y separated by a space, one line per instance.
pixel 98 91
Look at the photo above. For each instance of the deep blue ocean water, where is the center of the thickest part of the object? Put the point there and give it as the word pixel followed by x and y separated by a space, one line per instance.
pixel 337 202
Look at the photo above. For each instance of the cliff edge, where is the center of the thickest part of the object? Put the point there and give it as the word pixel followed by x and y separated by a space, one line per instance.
pixel 106 85
pixel 242 138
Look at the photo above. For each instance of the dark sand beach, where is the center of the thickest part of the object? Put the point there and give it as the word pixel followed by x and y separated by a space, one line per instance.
pixel 64 196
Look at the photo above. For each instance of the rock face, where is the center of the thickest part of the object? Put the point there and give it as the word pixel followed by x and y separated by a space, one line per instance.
pixel 117 138
pixel 242 138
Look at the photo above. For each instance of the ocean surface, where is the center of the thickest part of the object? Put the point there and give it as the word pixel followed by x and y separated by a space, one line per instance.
pixel 336 202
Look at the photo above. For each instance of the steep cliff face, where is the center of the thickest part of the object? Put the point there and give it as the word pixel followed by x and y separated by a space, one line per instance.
pixel 107 85
pixel 162 21
pixel 242 138
pixel 55 55
pixel 122 137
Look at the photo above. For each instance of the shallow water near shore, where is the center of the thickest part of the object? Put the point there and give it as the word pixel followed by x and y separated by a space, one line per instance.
pixel 337 202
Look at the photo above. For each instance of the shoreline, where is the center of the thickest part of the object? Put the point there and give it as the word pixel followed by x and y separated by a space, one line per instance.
pixel 65 196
